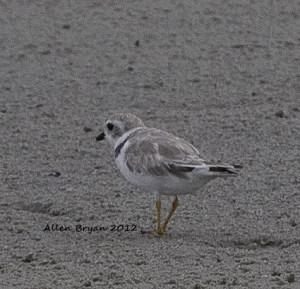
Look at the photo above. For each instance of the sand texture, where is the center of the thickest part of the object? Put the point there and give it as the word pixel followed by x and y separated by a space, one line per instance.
pixel 224 75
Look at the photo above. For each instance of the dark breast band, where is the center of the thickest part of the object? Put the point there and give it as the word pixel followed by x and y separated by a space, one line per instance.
pixel 120 146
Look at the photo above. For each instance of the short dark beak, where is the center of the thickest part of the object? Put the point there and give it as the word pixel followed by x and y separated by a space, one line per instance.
pixel 101 136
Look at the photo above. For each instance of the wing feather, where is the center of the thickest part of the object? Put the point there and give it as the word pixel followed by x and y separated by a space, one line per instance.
pixel 161 153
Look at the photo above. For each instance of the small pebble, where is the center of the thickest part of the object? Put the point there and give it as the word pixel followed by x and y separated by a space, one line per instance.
pixel 87 284
pixel 29 258
pixel 137 43
pixel 44 262
pixel 290 278
pixel 45 52
pixel 223 281
pixel 280 113
pixel 198 286
pixel 95 279
pixel 55 174
pixel 55 213
pixel 87 129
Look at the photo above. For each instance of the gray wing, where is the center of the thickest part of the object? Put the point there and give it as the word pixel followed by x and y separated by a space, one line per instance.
pixel 159 153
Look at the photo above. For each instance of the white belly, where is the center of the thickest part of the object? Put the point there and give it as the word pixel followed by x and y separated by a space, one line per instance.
pixel 167 184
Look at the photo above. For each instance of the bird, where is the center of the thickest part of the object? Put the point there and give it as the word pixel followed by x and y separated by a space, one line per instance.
pixel 159 162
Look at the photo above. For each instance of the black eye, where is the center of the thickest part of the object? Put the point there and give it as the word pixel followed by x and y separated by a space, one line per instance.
pixel 110 126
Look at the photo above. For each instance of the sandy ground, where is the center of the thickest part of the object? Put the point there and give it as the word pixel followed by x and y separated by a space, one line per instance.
pixel 222 74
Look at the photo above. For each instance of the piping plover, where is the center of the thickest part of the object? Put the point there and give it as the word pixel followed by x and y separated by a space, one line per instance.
pixel 159 162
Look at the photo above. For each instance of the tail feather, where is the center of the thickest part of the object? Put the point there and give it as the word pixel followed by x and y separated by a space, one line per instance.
pixel 224 169
pixel 237 166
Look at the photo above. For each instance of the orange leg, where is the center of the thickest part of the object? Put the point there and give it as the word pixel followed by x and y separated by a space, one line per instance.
pixel 174 206
pixel 159 230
